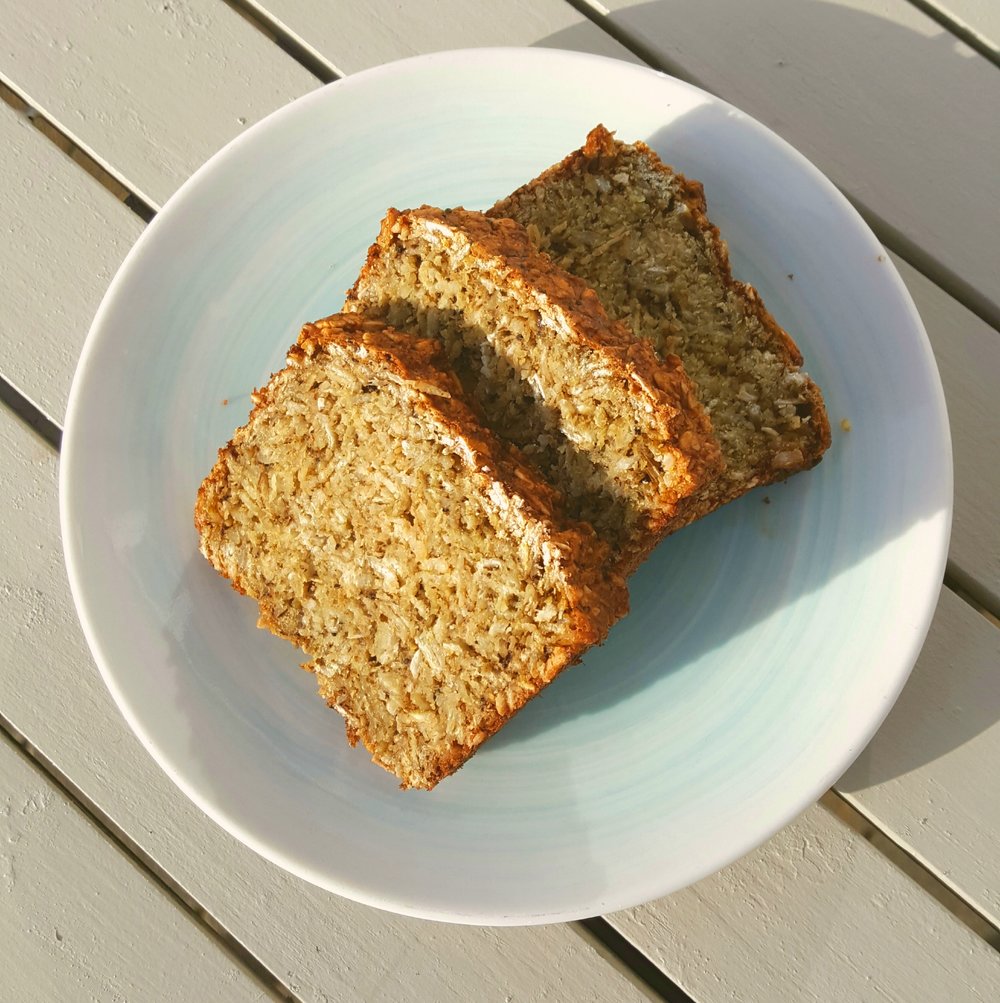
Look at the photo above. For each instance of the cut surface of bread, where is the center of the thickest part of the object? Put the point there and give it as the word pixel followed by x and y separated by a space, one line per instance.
pixel 418 561
pixel 616 429
pixel 637 232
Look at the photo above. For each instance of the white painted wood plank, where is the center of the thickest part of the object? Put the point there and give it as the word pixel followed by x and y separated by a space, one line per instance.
pixel 152 88
pixel 322 947
pixel 813 915
pixel 968 357
pixel 78 919
pixel 351 36
pixel 65 236
pixel 928 776
pixel 869 90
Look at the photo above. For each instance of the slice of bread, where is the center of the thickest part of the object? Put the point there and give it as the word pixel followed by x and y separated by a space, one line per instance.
pixel 616 429
pixel 637 232
pixel 414 556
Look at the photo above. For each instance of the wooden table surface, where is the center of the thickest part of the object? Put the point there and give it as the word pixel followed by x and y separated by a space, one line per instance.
pixel 114 887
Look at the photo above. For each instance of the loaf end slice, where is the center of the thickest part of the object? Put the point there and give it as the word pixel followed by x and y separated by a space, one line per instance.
pixel 422 566
pixel 637 232
pixel 617 429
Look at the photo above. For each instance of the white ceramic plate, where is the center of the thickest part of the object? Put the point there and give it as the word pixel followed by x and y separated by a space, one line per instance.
pixel 765 644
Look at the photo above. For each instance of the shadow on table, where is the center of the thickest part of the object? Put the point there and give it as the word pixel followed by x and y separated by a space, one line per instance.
pixel 756 54
pixel 810 69
pixel 951 696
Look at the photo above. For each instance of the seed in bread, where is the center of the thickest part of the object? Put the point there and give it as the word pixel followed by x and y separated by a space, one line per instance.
pixel 418 561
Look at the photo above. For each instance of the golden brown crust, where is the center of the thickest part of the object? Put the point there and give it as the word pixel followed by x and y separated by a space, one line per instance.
pixel 597 598
pixel 601 143
pixel 660 383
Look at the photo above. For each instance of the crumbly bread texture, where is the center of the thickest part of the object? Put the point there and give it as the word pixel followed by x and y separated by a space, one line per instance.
pixel 618 430
pixel 415 557
pixel 637 232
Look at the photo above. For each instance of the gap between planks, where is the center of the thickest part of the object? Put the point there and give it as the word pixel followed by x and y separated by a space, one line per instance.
pixel 971 592
pixel 103 172
pixel 980 43
pixel 848 811
pixel 32 415
pixel 285 39
pixel 960 585
pixel 62 140
pixel 619 952
pixel 265 978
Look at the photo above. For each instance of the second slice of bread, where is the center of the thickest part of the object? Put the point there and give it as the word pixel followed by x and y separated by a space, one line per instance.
pixel 637 232
pixel 619 431
pixel 419 562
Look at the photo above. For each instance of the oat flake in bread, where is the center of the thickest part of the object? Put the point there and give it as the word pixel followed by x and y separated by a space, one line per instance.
pixel 616 429
pixel 418 561
pixel 637 232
